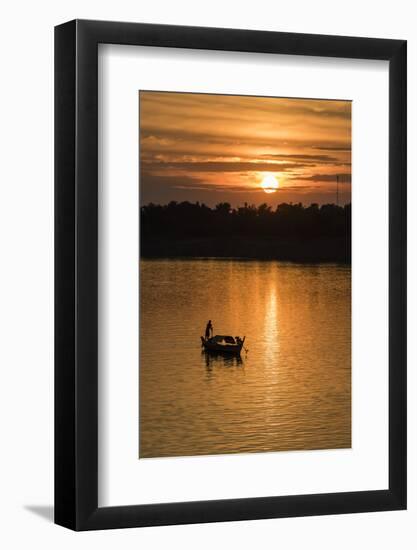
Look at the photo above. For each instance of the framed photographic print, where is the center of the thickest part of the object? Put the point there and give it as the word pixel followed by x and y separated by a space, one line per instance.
pixel 230 275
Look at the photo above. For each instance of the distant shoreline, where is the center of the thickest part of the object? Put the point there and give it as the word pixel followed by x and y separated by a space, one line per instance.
pixel 243 259
pixel 330 250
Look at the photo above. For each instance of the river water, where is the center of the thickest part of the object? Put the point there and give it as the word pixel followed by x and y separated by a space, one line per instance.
pixel 290 390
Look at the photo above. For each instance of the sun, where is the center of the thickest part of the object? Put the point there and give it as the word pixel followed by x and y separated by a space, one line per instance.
pixel 269 183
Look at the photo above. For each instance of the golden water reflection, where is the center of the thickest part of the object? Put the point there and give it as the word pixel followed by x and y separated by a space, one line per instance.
pixel 290 390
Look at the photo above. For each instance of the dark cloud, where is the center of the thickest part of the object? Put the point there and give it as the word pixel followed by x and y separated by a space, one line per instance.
pixel 305 158
pixel 343 178
pixel 341 148
pixel 223 166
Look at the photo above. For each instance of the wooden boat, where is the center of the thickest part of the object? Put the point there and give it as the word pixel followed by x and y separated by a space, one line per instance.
pixel 223 344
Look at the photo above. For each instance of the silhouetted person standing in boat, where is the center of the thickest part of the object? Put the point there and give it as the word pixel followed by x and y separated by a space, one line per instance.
pixel 209 330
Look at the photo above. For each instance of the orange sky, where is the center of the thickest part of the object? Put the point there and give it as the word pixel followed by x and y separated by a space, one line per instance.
pixel 216 148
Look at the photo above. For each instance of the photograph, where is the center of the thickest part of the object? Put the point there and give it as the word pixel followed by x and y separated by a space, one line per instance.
pixel 245 274
pixel 208 273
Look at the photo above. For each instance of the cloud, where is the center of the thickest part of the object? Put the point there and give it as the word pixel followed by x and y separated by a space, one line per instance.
pixel 192 145
pixel 341 148
pixel 222 167
pixel 305 158
pixel 343 178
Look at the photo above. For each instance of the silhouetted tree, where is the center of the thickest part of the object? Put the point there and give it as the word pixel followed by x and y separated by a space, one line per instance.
pixel 164 226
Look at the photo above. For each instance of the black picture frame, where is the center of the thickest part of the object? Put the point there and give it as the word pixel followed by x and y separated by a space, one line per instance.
pixel 76 273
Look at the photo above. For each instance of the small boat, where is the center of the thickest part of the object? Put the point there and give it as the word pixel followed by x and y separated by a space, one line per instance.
pixel 223 344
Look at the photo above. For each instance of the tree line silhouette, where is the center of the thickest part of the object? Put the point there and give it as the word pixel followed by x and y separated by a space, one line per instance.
pixel 289 232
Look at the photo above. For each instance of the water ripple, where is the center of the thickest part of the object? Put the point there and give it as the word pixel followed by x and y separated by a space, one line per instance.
pixel 290 391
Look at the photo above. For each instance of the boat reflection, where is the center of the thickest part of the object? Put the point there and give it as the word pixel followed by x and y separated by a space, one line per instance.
pixel 218 359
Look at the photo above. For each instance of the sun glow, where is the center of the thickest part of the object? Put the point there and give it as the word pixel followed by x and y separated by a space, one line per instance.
pixel 269 183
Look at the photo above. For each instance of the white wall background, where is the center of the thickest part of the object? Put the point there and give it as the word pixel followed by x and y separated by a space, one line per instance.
pixel 26 273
